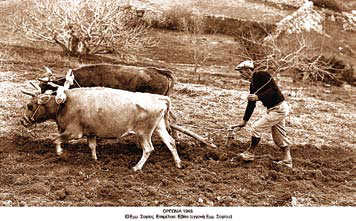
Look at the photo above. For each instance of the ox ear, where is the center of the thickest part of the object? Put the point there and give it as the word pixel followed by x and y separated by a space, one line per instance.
pixel 44 79
pixel 48 77
pixel 43 99
pixel 49 92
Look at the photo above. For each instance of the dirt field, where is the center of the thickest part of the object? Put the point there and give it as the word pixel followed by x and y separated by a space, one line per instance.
pixel 321 127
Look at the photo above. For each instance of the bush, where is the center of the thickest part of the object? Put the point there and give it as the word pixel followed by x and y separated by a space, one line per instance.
pixel 302 55
pixel 83 27
pixel 177 18
pixel 250 36
pixel 329 4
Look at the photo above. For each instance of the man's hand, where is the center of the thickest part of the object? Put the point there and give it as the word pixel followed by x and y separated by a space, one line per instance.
pixel 252 97
pixel 240 125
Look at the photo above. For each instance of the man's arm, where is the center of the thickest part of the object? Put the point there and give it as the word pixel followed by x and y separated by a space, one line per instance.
pixel 251 103
pixel 249 110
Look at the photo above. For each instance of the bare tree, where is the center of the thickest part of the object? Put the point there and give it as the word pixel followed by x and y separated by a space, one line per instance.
pixel 299 53
pixel 298 44
pixel 84 26
pixel 201 48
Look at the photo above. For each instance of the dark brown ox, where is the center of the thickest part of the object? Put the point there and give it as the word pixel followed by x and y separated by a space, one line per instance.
pixel 131 78
pixel 107 113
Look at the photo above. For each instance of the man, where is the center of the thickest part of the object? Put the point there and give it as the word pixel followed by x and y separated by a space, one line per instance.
pixel 263 88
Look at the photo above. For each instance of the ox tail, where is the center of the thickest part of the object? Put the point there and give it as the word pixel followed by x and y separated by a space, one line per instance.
pixel 167 113
pixel 169 74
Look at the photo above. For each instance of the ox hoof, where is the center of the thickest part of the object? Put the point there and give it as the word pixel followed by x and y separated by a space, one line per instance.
pixel 63 155
pixel 179 165
pixel 136 168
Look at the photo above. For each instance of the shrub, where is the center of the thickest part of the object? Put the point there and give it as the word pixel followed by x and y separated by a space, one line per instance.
pixel 201 49
pixel 178 17
pixel 300 54
pixel 82 27
pixel 329 4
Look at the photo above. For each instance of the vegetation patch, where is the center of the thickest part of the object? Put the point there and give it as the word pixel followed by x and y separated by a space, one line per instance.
pixel 329 4
pixel 83 27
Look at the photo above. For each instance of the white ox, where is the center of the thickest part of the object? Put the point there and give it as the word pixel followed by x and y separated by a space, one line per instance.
pixel 106 113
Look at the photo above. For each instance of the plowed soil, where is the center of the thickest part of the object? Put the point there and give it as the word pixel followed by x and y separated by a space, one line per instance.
pixel 323 173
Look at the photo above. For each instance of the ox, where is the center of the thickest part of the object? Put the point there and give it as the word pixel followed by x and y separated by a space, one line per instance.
pixel 124 77
pixel 107 113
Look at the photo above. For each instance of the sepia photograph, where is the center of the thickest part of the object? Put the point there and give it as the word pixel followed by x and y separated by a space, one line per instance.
pixel 195 109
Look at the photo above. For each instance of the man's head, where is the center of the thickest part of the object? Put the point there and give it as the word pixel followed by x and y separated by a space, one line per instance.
pixel 246 69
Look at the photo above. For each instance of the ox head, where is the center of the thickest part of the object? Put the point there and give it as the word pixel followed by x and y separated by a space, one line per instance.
pixel 40 108
pixel 50 78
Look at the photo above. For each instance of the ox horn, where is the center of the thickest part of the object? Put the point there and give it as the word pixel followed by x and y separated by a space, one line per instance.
pixel 28 93
pixel 35 86
pixel 69 79
pixel 48 77
pixel 69 75
pixel 48 70
pixel 54 85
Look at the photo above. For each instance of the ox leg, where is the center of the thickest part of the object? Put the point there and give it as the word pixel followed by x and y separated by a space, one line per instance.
pixel 92 145
pixel 59 149
pixel 59 140
pixel 66 135
pixel 169 141
pixel 147 148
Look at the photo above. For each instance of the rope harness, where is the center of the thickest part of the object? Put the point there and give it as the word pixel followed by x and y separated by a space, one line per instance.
pixel 75 81
pixel 33 115
pixel 263 86
pixel 32 118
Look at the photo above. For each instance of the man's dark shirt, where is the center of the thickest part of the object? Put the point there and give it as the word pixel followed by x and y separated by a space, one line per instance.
pixel 269 95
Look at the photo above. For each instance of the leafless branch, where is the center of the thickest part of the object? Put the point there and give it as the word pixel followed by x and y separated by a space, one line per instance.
pixel 298 53
pixel 89 24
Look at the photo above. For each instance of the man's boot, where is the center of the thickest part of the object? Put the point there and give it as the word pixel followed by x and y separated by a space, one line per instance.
pixel 287 158
pixel 249 154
